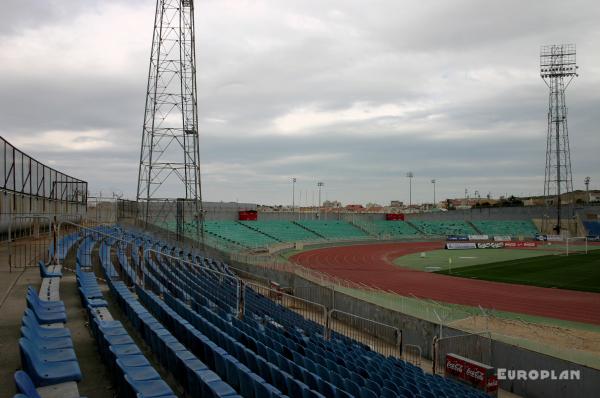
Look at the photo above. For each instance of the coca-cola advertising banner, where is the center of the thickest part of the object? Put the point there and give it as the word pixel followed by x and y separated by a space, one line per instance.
pixel 520 244
pixel 475 374
pixel 490 245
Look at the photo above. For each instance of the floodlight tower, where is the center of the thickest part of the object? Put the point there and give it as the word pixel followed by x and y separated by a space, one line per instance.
pixel 587 189
pixel 170 156
pixel 410 175
pixel 558 68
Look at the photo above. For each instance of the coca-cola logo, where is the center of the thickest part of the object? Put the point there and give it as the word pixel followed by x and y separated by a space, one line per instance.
pixel 455 366
pixel 475 373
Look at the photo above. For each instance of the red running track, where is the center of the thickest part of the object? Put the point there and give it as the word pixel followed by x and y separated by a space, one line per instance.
pixel 372 265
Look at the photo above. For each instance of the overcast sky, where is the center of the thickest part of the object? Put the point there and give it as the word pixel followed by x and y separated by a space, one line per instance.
pixel 351 93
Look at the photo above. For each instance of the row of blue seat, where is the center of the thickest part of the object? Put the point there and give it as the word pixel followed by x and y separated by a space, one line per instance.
pixel 196 378
pixel 295 346
pixel 312 380
pixel 47 355
pixel 246 381
pixel 130 370
pixel 417 385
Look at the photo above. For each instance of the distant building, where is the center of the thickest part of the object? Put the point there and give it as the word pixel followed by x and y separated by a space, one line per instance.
pixel 355 208
pixel 332 204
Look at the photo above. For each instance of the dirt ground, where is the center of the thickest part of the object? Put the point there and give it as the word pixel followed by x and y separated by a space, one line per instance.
pixel 559 338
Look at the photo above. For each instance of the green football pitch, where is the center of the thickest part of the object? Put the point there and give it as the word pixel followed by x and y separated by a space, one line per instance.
pixel 440 260
pixel 575 272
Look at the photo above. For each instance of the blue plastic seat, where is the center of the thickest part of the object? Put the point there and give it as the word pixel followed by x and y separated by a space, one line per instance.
pixel 138 373
pixel 44 273
pixel 366 393
pixel 45 373
pixel 36 303
pixel 25 385
pixel 351 387
pixel 33 296
pixel 134 360
pixel 387 393
pixel 47 355
pixel 30 321
pixel 149 388
pixel 118 351
pixel 326 388
pixel 371 385
pixel 46 343
pixel 45 316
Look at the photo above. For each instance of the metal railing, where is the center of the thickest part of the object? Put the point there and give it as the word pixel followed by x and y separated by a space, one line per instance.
pixel 380 337
pixel 22 174
pixel 190 287
pixel 310 310
pixel 412 354
pixel 28 239
pixel 475 346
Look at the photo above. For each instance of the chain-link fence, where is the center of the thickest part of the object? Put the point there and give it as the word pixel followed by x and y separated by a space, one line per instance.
pixel 475 346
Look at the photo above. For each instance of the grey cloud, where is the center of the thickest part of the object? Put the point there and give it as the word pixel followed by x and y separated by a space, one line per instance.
pixel 472 65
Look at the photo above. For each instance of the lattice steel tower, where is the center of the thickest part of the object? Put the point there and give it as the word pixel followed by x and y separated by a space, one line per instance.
pixel 557 69
pixel 169 157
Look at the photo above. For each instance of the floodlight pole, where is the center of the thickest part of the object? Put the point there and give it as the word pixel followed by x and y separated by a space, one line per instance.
pixel 410 176
pixel 587 189
pixel 293 193
pixel 557 64
pixel 433 182
pixel 320 184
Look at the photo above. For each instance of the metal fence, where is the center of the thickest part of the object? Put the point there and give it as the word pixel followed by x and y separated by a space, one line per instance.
pixel 27 241
pixel 226 288
pixel 475 346
pixel 385 339
pixel 310 310
pixel 20 173
pixel 412 354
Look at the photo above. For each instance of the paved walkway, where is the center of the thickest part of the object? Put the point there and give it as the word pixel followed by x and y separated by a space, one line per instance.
pixel 13 287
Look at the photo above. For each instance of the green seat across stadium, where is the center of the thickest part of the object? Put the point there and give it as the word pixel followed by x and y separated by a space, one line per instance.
pixel 390 228
pixel 506 227
pixel 235 232
pixel 333 229
pixel 444 227
pixel 285 231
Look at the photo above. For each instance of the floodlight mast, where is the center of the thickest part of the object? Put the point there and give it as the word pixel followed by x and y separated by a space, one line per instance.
pixel 170 157
pixel 557 68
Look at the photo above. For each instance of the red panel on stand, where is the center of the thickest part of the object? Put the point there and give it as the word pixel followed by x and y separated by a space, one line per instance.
pixel 248 215
pixel 394 217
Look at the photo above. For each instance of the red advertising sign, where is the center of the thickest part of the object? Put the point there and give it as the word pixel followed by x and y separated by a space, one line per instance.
pixel 520 244
pixel 478 375
pixel 249 215
pixel 394 217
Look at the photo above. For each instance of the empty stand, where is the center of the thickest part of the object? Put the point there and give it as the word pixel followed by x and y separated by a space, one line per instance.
pixel 443 228
pixel 524 228
pixel 333 230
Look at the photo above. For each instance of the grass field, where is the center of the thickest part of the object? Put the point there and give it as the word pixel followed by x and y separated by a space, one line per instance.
pixel 575 272
pixel 438 260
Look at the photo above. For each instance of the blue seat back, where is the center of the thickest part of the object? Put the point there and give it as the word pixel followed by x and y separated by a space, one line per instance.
pixel 25 385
